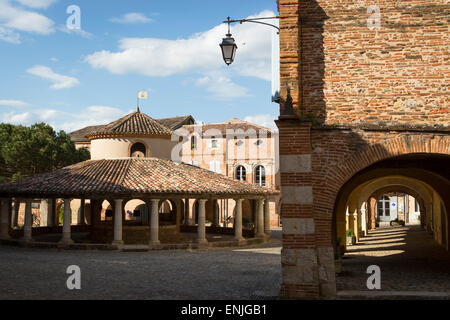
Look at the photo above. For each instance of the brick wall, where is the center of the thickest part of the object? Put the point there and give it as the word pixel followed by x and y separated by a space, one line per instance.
pixel 348 73
pixel 352 94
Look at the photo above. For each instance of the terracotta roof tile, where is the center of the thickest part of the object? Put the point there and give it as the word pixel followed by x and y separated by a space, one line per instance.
pixel 134 123
pixel 128 177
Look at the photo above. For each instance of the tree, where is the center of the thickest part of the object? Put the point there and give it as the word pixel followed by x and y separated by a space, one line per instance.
pixel 26 151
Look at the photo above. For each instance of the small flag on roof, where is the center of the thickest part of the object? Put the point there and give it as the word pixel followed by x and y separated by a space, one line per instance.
pixel 142 94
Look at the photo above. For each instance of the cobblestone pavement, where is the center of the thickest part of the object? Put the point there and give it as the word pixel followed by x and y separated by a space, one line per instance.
pixel 213 274
pixel 409 258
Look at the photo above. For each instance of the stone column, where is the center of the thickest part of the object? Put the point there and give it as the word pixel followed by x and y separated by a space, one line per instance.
pixel 215 207
pixel 82 216
pixel 267 230
pixel 178 204
pixel 186 212
pixel 28 223
pixel 51 218
pixel 154 223
pixel 238 221
pixel 44 213
pixel 15 213
pixel 118 222
pixel 67 222
pixel 355 225
pixel 201 229
pixel 260 219
pixel 364 221
pixel 4 219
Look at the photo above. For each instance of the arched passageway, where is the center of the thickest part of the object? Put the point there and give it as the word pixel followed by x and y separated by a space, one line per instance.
pixel 376 208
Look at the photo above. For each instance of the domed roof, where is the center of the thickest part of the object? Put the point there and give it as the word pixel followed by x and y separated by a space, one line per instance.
pixel 136 124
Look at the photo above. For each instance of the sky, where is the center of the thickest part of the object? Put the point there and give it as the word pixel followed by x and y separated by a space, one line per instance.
pixel 73 72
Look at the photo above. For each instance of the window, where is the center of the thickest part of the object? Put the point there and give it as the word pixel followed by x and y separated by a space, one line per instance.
pixel 384 207
pixel 214 144
pixel 214 166
pixel 138 150
pixel 260 176
pixel 241 173
pixel 193 143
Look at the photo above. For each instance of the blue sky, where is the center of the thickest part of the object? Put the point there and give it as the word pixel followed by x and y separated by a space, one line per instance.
pixel 72 79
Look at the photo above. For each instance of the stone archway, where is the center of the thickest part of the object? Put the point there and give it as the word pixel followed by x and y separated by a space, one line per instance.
pixel 312 184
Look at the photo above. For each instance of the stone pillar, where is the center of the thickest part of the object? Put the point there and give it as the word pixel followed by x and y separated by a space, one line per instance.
pixel 238 221
pixel 355 225
pixel 215 207
pixel 267 218
pixel 118 222
pixel 44 213
pixel 307 258
pixel 82 216
pixel 51 212
pixel 154 223
pixel 67 222
pixel 28 224
pixel 178 204
pixel 364 221
pixel 15 214
pixel 4 219
pixel 201 229
pixel 260 219
pixel 186 213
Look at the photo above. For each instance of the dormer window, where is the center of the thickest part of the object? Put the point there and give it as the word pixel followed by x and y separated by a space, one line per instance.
pixel 193 143
pixel 138 150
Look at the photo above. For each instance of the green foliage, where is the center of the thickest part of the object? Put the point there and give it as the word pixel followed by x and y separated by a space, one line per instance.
pixel 245 221
pixel 26 151
pixel 350 233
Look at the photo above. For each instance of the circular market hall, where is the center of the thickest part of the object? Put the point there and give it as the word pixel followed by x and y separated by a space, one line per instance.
pixel 131 195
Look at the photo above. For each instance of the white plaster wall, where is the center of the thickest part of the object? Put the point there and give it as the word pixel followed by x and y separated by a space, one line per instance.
pixel 119 147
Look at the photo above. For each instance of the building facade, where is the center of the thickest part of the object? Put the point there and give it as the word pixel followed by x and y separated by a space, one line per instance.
pixel 364 109
pixel 237 149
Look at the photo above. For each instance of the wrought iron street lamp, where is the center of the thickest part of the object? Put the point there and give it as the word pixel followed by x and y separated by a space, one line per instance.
pixel 228 44
pixel 228 47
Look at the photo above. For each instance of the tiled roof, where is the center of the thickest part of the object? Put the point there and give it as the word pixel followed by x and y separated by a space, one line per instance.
pixel 171 123
pixel 135 123
pixel 80 135
pixel 233 124
pixel 176 122
pixel 130 177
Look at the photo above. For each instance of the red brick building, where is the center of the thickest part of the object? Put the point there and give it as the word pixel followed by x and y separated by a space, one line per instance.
pixel 364 100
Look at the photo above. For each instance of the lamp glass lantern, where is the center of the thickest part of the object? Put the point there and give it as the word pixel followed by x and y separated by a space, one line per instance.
pixel 229 48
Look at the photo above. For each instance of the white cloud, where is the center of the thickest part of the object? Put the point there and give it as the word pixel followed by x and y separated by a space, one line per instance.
pixel 132 18
pixel 222 88
pixel 79 32
pixel 264 120
pixel 37 4
pixel 16 118
pixel 199 53
pixel 93 115
pixel 9 36
pixel 14 103
pixel 17 18
pixel 59 81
